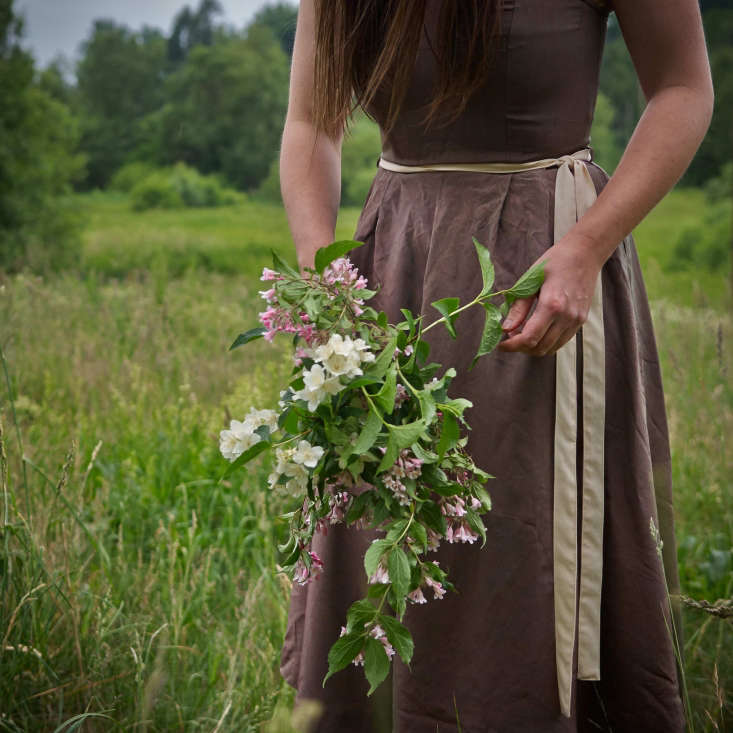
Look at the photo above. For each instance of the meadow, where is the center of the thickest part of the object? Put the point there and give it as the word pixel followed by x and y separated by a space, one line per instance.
pixel 137 592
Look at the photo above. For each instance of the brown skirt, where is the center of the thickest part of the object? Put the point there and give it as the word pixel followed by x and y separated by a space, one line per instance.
pixel 485 656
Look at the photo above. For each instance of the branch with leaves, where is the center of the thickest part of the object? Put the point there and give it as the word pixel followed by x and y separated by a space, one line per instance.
pixel 366 435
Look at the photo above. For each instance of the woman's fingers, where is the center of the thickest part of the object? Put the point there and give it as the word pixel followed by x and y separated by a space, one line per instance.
pixel 555 338
pixel 532 332
pixel 517 313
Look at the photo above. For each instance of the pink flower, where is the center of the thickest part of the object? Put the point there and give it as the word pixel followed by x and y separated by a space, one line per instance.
pixel 437 587
pixel 417 596
pixel 401 395
pixel 268 295
pixel 303 574
pixel 268 274
pixel 433 540
pixel 380 575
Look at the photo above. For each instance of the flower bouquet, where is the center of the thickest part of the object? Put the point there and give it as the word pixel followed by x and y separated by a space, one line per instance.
pixel 365 434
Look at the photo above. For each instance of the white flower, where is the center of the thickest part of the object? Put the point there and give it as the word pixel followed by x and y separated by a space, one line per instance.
pixel 236 440
pixel 307 454
pixel 228 445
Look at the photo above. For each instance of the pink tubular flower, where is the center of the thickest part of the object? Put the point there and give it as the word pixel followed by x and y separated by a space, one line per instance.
pixel 437 587
pixel 380 575
pixel 303 574
pixel 268 274
pixel 417 596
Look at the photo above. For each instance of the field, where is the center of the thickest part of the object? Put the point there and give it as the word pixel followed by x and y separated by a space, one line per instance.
pixel 137 592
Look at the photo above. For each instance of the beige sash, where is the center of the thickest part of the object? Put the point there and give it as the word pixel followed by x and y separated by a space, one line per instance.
pixel 574 194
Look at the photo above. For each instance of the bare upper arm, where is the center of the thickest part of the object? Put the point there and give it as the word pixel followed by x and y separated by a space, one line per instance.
pixel 300 100
pixel 667 44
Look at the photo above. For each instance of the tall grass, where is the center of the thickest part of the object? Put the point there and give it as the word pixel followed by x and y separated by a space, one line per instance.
pixel 137 590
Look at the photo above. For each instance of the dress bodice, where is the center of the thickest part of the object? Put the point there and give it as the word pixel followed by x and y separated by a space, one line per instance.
pixel 537 101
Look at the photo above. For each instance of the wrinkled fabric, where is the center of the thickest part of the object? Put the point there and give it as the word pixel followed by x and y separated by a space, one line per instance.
pixel 486 655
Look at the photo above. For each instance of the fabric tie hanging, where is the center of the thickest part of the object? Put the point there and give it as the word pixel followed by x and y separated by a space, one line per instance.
pixel 574 194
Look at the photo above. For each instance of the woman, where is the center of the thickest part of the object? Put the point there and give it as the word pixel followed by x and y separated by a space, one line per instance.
pixel 560 622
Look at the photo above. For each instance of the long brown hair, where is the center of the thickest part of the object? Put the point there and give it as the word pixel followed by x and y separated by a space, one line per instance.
pixel 362 45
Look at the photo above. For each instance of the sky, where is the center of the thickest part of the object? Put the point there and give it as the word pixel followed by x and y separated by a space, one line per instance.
pixel 59 26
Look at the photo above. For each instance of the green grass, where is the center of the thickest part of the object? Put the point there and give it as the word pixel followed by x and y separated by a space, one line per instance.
pixel 132 583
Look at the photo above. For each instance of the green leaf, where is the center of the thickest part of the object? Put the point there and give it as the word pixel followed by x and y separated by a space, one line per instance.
pixel 368 434
pixel 386 396
pixel 427 405
pixel 425 455
pixel 405 435
pixel 343 652
pixel 399 571
pixel 358 507
pixel 456 406
pixel 396 530
pixel 288 421
pixel 358 614
pixel 449 434
pixel 326 255
pixel 410 318
pixel 247 336
pixel 418 533
pixel 476 524
pixel 483 496
pixel 398 636
pixel 373 555
pixel 380 365
pixel 528 284
pixel 251 452
pixel 376 663
pixel 279 264
pixel 446 306
pixel 390 455
pixel 492 332
pixel 487 267
pixel 422 351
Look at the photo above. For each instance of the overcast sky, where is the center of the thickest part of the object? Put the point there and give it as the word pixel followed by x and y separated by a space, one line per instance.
pixel 58 26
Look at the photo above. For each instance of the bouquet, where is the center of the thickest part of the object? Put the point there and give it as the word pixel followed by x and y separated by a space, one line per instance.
pixel 365 434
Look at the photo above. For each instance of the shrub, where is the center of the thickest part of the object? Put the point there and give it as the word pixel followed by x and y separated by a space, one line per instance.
pixel 129 175
pixel 179 187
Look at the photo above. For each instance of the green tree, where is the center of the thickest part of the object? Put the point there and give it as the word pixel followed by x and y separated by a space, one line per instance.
pixel 38 137
pixel 225 110
pixel 193 28
pixel 606 150
pixel 281 19
pixel 717 147
pixel 120 82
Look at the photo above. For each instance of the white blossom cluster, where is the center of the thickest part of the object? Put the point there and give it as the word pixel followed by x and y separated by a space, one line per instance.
pixel 294 462
pixel 339 356
pixel 242 435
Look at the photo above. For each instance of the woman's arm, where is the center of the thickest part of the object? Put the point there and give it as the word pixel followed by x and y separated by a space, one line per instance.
pixel 667 46
pixel 310 160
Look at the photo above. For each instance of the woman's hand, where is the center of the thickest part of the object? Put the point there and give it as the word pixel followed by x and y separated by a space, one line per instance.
pixel 572 268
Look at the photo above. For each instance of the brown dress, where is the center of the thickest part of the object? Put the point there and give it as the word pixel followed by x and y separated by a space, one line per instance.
pixel 486 655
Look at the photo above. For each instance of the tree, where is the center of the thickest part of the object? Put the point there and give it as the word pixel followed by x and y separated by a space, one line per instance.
pixel 192 28
pixel 281 19
pixel 38 137
pixel 121 79
pixel 226 107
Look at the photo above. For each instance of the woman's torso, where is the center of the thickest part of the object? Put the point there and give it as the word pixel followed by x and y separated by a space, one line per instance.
pixel 537 101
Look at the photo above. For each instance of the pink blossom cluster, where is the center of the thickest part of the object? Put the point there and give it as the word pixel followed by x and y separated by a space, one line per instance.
pixel 376 632
pixel 342 272
pixel 339 503
pixel 277 319
pixel 458 529
pixel 406 466
pixel 304 574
